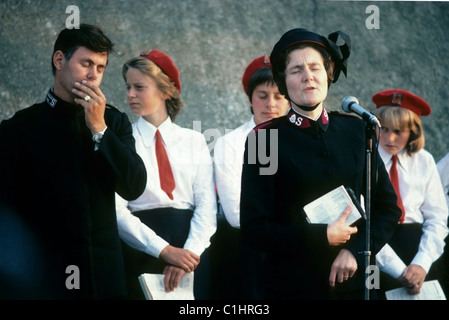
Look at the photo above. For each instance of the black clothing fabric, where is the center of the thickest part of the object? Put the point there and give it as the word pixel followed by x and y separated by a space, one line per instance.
pixel 57 196
pixel 236 266
pixel 313 158
pixel 172 225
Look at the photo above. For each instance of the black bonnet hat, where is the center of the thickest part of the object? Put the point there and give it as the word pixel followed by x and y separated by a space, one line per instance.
pixel 339 53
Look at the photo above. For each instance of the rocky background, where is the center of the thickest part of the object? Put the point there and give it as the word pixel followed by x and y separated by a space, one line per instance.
pixel 212 42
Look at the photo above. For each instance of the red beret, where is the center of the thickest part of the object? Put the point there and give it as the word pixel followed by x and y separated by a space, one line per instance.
pixel 402 98
pixel 165 63
pixel 256 64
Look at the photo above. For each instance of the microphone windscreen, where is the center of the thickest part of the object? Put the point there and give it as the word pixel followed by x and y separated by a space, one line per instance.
pixel 347 101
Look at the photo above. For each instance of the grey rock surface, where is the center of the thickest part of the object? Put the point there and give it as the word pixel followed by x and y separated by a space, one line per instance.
pixel 212 42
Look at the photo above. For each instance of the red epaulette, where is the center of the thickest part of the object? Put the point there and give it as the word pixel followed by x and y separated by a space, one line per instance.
pixel 268 124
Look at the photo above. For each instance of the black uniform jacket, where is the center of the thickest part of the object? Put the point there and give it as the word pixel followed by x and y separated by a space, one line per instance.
pixel 59 235
pixel 313 157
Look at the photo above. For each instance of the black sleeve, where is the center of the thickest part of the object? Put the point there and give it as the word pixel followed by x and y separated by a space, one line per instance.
pixel 118 147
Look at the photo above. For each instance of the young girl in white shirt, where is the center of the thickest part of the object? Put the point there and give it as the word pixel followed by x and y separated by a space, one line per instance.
pixel 235 267
pixel 408 259
pixel 166 231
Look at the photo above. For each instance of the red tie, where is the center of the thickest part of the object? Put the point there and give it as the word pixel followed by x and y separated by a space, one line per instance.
pixel 395 181
pixel 165 172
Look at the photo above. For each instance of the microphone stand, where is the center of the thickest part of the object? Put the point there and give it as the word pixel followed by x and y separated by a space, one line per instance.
pixel 370 132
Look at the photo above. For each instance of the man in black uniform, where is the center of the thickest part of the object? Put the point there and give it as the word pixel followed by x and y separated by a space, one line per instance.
pixel 317 152
pixel 62 162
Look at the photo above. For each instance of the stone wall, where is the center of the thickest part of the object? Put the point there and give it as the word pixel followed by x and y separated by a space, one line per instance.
pixel 212 42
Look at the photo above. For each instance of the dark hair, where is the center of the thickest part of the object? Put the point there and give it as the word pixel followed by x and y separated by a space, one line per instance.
pixel 261 76
pixel 88 36
pixel 282 60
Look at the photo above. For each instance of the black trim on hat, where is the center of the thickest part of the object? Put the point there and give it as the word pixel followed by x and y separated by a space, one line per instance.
pixel 340 54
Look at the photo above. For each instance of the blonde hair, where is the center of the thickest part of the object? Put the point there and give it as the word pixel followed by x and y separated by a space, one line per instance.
pixel 174 103
pixel 398 118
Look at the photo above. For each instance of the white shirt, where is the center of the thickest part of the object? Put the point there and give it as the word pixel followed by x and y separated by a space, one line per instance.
pixel 443 168
pixel 193 173
pixel 423 199
pixel 228 160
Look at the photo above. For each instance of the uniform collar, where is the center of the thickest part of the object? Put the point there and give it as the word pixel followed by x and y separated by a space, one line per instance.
pixel 51 99
pixel 148 130
pixel 60 105
pixel 387 158
pixel 302 122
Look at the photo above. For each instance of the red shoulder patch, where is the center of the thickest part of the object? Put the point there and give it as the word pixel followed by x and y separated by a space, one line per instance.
pixel 267 124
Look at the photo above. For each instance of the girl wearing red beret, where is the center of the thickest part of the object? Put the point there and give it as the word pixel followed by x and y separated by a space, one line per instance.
pixel 409 257
pixel 168 228
pixel 266 103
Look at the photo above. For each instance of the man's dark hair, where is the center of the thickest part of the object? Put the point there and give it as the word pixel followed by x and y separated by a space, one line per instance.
pixel 88 36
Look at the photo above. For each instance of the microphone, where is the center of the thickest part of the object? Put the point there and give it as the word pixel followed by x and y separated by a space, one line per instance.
pixel 351 104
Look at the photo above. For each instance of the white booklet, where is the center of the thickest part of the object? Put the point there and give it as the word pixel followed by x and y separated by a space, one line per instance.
pixel 430 290
pixel 154 289
pixel 327 208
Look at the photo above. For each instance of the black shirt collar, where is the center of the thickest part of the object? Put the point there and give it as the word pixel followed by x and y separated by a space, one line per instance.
pixel 60 105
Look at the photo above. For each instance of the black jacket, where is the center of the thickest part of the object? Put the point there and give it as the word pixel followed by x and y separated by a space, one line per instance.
pixel 313 157
pixel 58 202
